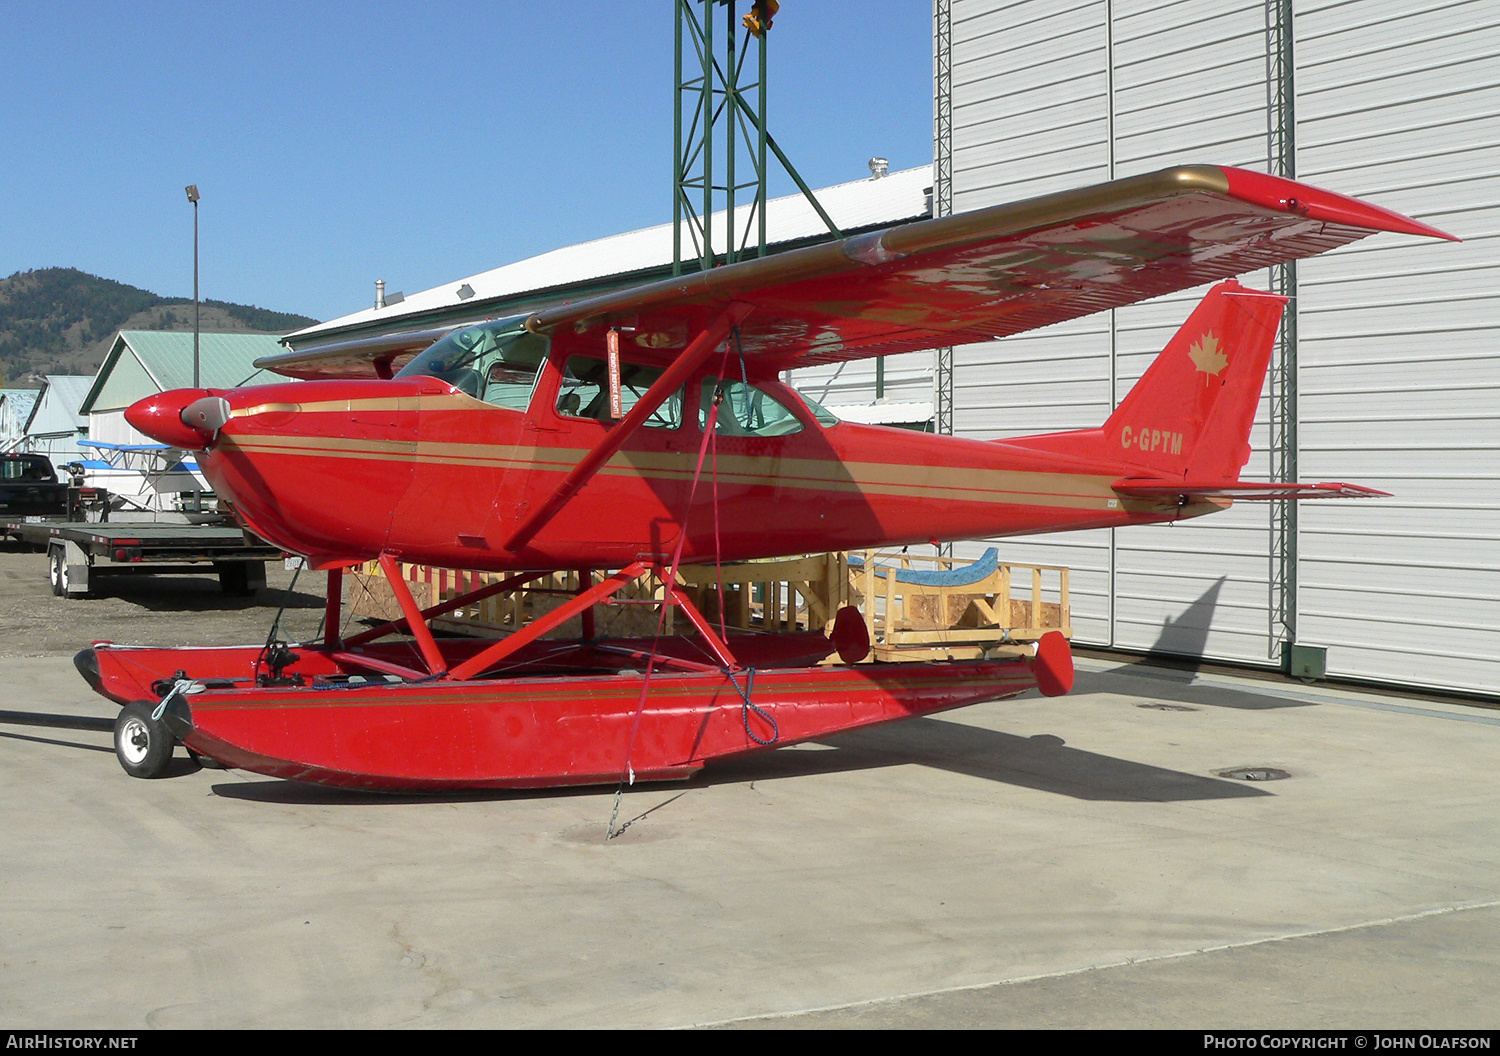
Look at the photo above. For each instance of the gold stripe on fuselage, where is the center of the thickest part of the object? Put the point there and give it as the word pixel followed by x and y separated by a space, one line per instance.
pixel 947 483
pixel 366 405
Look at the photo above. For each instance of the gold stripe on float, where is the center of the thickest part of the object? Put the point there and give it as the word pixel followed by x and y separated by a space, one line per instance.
pixel 624 693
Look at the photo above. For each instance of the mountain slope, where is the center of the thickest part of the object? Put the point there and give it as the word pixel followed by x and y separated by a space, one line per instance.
pixel 61 320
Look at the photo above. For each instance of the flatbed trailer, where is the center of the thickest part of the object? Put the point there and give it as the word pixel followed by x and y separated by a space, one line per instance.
pixel 79 553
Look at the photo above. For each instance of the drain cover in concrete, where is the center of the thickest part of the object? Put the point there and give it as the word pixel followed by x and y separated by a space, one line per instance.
pixel 1253 773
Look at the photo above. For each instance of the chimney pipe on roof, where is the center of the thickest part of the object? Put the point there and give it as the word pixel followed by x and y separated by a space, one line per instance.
pixel 379 293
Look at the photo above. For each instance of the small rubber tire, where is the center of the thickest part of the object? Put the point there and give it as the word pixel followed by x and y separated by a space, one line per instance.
pixel 57 571
pixel 142 744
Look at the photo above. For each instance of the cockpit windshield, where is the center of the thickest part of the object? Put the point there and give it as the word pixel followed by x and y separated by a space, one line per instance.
pixel 497 362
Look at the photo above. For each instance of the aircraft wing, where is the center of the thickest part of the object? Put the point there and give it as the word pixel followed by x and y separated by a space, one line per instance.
pixel 366 357
pixel 997 271
pixel 956 279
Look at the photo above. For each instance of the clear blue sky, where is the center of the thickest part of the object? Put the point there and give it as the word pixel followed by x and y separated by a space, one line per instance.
pixel 338 143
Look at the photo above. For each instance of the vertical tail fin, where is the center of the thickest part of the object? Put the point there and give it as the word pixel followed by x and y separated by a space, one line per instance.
pixel 1189 416
pixel 1183 431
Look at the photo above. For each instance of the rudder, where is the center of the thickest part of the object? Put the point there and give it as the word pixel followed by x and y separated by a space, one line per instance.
pixel 1189 416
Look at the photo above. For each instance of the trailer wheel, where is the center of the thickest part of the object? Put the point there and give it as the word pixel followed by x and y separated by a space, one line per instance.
pixel 142 744
pixel 58 575
pixel 234 578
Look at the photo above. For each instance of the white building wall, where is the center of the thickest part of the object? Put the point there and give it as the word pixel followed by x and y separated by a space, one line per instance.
pixel 1189 84
pixel 1030 111
pixel 907 379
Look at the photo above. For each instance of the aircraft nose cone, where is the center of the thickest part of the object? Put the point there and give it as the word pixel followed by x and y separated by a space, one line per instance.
pixel 185 418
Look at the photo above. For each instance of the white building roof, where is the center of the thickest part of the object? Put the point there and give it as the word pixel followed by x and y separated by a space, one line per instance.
pixel 903 413
pixel 55 412
pixel 861 204
pixel 15 409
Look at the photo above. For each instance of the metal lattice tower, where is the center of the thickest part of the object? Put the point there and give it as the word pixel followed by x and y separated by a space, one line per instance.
pixel 1281 155
pixel 720 137
pixel 942 179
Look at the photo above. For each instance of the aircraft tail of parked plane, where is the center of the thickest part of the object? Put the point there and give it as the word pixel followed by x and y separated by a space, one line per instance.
pixel 1184 428
pixel 1190 414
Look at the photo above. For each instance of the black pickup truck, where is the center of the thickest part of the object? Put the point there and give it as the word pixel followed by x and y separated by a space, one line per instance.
pixel 71 524
pixel 29 487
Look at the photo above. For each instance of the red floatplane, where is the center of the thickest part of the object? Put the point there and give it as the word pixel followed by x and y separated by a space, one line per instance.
pixel 623 434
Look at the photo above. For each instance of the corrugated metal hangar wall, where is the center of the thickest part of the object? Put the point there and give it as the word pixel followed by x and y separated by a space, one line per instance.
pixel 1397 341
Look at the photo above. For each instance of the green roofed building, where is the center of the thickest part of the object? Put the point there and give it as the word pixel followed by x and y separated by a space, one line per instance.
pixel 142 363
pixel 141 475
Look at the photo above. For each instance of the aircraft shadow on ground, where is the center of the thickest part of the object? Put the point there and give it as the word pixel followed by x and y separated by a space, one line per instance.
pixel 1161 684
pixel 107 749
pixel 90 723
pixel 1043 762
pixel 197 594
pixel 1175 660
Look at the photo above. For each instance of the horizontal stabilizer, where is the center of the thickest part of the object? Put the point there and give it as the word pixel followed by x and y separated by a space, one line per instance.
pixel 1187 490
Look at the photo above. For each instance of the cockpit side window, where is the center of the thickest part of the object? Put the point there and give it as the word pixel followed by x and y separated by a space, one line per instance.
pixel 747 410
pixel 510 374
pixel 584 392
pixel 497 362
pixel 825 417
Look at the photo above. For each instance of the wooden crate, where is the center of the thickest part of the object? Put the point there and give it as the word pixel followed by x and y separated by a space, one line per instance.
pixel 996 612
pixel 787 594
pixel 635 613
pixel 965 611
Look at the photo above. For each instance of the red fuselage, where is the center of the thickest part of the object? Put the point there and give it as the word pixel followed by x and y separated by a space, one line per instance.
pixel 344 470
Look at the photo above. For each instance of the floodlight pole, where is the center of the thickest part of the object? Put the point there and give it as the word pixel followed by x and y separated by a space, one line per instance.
pixel 192 194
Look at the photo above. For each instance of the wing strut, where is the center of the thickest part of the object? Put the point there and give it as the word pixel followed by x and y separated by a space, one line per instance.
pixel 669 382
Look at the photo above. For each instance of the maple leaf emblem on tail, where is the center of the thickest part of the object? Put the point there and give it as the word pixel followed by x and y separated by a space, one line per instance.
pixel 1207 356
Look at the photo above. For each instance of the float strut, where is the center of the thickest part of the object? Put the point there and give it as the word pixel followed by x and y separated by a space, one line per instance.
pixel 334 608
pixel 582 601
pixel 431 654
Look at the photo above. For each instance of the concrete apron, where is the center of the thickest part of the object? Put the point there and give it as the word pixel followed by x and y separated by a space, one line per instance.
pixel 1066 862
